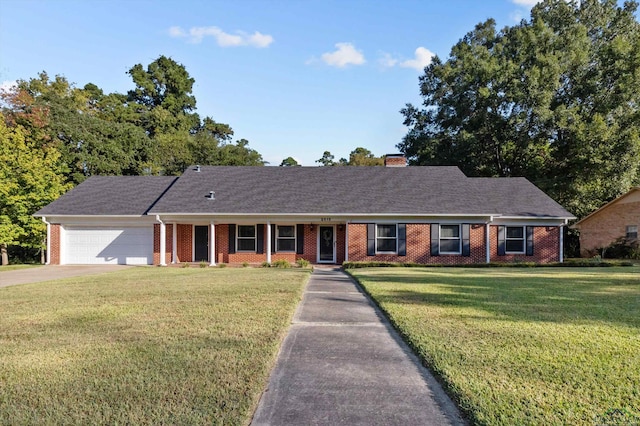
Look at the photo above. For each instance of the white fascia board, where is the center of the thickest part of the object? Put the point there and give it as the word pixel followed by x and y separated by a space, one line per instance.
pixel 106 220
pixel 320 218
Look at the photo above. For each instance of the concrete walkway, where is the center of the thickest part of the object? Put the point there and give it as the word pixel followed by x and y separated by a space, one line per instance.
pixel 342 364
pixel 53 272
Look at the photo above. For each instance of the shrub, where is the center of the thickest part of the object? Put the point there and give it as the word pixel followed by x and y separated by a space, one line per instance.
pixel 622 248
pixel 184 265
pixel 303 263
pixel 245 264
pixel 281 263
pixel 203 264
pixel 222 265
pixel 266 264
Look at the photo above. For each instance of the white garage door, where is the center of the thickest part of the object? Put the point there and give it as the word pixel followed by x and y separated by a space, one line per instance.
pixel 122 245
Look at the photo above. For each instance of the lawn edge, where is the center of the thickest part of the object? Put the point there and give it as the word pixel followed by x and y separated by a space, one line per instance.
pixel 467 416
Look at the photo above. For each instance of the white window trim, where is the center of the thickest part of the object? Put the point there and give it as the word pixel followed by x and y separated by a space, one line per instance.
pixel 459 238
pixel 630 229
pixel 523 239
pixel 387 238
pixel 254 238
pixel 294 238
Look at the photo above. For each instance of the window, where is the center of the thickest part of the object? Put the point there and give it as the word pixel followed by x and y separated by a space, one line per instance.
pixel 632 232
pixel 286 238
pixel 246 238
pixel 450 239
pixel 514 241
pixel 386 238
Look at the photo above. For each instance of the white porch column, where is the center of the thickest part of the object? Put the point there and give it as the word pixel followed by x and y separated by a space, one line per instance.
pixel 174 244
pixel 488 242
pixel 163 242
pixel 48 254
pixel 346 241
pixel 268 241
pixel 561 251
pixel 212 244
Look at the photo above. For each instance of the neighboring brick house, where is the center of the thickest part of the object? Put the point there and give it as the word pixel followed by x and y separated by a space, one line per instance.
pixel 218 214
pixel 616 219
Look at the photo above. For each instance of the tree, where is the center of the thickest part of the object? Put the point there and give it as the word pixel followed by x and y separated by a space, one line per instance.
pixel 31 178
pixel 54 112
pixel 327 159
pixel 363 157
pixel 289 162
pixel 358 157
pixel 555 99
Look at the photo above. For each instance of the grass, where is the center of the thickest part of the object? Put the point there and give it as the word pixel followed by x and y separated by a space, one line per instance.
pixel 513 346
pixel 143 346
pixel 4 268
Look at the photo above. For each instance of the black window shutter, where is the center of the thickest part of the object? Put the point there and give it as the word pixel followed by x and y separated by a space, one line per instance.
pixel 529 240
pixel 402 239
pixel 466 245
pixel 273 238
pixel 260 238
pixel 371 239
pixel 232 238
pixel 435 239
pixel 502 241
pixel 300 238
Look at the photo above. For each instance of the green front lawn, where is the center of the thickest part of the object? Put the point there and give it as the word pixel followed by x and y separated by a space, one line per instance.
pixel 144 345
pixel 4 268
pixel 523 346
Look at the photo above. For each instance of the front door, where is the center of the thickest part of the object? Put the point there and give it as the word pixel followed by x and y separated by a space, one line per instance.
pixel 201 243
pixel 326 244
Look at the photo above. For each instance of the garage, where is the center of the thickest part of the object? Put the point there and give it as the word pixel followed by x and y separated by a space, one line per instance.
pixel 107 245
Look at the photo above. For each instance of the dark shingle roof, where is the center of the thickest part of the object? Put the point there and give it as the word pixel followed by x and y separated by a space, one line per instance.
pixel 110 195
pixel 353 190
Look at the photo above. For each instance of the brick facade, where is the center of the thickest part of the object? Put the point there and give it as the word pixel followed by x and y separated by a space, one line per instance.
pixel 168 243
pixel 605 226
pixel 54 244
pixel 418 244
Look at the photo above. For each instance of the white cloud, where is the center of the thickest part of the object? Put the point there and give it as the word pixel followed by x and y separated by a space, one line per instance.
pixel 176 32
pixel 526 3
pixel 422 59
pixel 346 54
pixel 387 61
pixel 196 34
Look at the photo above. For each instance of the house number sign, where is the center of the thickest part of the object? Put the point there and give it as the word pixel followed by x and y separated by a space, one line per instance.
pixel 325 219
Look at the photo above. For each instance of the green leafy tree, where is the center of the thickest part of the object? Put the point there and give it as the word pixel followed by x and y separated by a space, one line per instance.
pixel 555 99
pixel 31 178
pixel 327 159
pixel 90 142
pixel 363 157
pixel 289 162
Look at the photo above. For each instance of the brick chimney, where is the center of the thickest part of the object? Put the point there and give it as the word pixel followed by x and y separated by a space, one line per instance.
pixel 395 160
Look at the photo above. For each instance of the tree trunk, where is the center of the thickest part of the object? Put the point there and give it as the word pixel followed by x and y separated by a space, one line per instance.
pixel 4 255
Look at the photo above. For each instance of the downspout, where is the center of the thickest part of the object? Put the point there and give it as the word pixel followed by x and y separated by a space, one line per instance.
pixel 561 241
pixel 488 240
pixel 163 243
pixel 48 259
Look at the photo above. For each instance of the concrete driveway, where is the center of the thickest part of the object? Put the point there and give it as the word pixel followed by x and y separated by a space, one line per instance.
pixel 53 272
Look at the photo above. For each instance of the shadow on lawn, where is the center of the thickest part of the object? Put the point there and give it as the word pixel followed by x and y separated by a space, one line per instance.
pixel 520 296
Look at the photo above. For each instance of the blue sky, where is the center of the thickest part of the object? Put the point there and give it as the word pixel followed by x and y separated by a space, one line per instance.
pixel 293 77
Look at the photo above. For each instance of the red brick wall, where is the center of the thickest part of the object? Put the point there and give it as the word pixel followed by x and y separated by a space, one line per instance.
pixel 54 244
pixel 546 244
pixel 168 243
pixel 184 243
pixel 419 246
pixel 604 227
